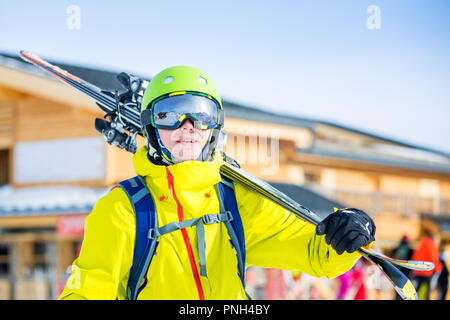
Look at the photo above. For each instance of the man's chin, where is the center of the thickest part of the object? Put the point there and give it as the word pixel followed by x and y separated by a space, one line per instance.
pixel 186 153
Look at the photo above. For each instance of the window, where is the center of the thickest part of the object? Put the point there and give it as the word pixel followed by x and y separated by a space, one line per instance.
pixel 40 250
pixel 4 259
pixel 4 167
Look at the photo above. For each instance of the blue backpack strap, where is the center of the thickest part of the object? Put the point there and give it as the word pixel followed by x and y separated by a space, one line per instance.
pixel 147 230
pixel 145 245
pixel 227 202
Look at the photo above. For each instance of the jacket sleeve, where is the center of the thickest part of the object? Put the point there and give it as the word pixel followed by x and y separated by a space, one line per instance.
pixel 105 260
pixel 276 238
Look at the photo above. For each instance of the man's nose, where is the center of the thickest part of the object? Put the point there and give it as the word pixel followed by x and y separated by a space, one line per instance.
pixel 187 124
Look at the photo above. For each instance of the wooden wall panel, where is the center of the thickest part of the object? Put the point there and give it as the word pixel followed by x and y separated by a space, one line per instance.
pixel 119 163
pixel 391 226
pixel 6 124
pixel 40 119
pixel 302 137
pixel 399 184
pixel 348 180
pixel 352 179
pixel 444 189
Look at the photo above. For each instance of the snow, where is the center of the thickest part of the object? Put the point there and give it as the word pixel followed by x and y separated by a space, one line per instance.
pixel 409 153
pixel 48 199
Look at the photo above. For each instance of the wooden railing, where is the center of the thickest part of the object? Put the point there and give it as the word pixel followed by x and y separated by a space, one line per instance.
pixel 379 202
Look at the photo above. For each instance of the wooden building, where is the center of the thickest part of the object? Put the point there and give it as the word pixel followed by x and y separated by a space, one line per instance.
pixel 54 166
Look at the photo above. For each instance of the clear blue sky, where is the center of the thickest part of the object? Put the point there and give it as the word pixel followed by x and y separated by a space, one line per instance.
pixel 315 59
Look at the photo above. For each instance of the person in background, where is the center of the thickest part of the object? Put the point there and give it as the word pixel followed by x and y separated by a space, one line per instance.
pixel 344 285
pixel 403 252
pixel 442 281
pixel 352 283
pixel 426 251
pixel 359 276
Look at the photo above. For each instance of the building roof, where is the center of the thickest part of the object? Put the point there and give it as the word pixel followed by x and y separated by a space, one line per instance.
pixel 319 204
pixel 391 160
pixel 105 79
pixel 46 200
pixel 442 220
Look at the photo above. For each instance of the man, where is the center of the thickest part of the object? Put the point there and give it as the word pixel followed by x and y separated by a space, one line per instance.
pixel 182 118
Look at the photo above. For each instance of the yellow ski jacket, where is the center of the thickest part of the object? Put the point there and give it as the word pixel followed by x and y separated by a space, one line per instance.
pixel 274 239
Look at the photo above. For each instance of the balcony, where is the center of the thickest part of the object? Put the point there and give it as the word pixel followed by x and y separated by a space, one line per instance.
pixel 379 203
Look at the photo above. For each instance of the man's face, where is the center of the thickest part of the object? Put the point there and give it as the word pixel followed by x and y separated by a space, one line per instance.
pixel 185 142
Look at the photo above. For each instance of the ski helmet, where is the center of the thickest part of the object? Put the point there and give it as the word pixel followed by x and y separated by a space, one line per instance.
pixel 179 81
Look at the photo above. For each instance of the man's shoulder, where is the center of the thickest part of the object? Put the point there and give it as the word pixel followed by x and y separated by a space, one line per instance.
pixel 114 207
pixel 114 197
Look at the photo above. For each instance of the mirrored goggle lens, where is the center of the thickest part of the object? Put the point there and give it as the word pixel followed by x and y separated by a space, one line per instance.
pixel 170 112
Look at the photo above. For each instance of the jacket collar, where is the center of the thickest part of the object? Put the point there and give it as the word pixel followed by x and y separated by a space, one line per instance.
pixel 187 175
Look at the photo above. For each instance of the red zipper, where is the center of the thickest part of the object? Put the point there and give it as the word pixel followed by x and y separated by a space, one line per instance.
pixel 186 239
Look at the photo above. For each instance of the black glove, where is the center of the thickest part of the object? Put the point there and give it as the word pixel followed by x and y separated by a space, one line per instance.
pixel 347 229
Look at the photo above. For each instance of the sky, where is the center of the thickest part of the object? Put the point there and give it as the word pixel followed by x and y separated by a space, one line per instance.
pixel 380 66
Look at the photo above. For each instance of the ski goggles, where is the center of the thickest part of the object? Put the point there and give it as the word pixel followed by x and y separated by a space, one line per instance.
pixel 171 110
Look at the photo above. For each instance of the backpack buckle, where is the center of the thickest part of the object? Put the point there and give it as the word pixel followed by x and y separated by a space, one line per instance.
pixel 153 234
pixel 229 215
pixel 211 218
pixel 217 218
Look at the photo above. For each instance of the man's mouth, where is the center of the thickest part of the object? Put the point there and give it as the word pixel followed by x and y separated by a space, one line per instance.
pixel 187 140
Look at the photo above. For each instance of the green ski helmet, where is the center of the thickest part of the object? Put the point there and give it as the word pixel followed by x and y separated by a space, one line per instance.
pixel 178 80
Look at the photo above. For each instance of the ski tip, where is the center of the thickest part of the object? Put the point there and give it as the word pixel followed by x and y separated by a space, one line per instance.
pixel 27 55
pixel 429 265
pixel 408 292
pixel 24 55
pixel 418 265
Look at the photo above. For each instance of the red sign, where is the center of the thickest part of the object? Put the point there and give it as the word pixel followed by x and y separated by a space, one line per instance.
pixel 71 225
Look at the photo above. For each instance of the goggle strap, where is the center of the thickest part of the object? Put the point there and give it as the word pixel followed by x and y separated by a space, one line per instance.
pixel 146 117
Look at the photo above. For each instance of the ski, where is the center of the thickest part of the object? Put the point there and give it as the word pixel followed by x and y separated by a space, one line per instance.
pixel 399 281
pixel 265 189
pixel 123 126
pixel 117 107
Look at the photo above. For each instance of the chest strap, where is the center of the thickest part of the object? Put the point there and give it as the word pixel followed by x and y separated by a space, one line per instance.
pixel 199 223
